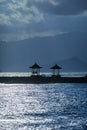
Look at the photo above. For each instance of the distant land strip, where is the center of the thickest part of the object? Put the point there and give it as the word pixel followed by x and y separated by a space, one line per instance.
pixel 42 80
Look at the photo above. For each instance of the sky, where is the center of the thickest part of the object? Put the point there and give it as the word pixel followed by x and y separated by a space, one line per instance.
pixel 43 31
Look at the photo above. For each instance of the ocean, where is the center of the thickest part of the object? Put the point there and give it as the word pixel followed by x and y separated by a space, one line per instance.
pixel 25 74
pixel 58 106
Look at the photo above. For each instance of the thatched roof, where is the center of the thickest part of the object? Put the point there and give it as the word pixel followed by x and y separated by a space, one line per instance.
pixel 55 67
pixel 35 66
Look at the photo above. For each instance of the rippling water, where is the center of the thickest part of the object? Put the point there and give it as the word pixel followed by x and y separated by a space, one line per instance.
pixel 43 107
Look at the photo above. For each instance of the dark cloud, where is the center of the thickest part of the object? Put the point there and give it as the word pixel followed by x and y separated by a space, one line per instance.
pixel 70 7
pixel 64 7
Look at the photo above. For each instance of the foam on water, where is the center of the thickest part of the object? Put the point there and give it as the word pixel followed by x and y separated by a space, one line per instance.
pixel 43 107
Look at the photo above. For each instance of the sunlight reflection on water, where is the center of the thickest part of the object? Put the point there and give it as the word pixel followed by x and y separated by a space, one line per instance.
pixel 43 107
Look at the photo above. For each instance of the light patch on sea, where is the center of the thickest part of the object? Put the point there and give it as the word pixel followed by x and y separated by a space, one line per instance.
pixel 43 107
pixel 26 74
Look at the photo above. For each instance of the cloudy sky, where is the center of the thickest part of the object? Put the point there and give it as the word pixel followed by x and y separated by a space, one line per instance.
pixel 41 30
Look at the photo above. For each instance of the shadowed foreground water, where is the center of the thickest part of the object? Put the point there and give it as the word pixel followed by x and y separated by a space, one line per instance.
pixel 43 107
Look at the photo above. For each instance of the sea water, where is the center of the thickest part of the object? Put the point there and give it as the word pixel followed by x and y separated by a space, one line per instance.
pixel 43 107
pixel 26 74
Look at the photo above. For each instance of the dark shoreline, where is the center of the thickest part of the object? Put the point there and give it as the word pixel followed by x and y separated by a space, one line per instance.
pixel 42 80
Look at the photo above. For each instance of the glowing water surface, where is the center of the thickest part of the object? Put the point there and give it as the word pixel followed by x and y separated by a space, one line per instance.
pixel 43 107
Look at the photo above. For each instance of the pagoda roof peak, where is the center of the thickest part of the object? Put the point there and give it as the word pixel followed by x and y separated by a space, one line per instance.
pixel 56 67
pixel 35 65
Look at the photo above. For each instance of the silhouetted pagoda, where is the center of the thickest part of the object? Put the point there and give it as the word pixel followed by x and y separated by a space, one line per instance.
pixel 35 69
pixel 56 70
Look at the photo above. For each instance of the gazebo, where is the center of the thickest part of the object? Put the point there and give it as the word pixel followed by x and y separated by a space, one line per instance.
pixel 56 70
pixel 35 69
